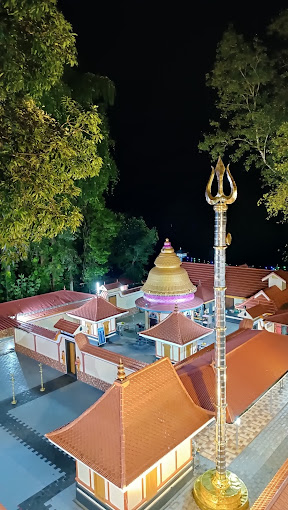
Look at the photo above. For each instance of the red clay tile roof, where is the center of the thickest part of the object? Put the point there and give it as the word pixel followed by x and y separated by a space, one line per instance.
pixel 67 326
pixel 100 352
pixel 53 311
pixel 42 302
pixel 36 330
pixel 275 495
pixel 260 310
pixel 279 318
pixel 206 292
pixel 177 329
pixel 279 297
pixel 241 281
pixel 111 286
pixel 269 301
pixel 133 425
pixel 6 323
pixel 97 309
pixel 248 374
pixel 130 291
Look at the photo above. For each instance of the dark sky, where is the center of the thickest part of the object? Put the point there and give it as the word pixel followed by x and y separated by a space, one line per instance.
pixel 157 53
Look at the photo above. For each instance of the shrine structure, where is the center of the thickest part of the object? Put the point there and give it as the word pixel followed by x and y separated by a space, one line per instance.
pixel 167 284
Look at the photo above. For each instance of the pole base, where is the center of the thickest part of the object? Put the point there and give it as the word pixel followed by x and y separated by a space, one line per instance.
pixel 209 495
pixel 42 389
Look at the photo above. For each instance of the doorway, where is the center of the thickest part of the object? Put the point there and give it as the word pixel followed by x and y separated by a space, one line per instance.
pixel 71 357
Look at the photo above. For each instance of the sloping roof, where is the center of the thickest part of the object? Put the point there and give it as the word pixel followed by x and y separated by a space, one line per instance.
pixel 36 330
pixel 206 292
pixel 97 309
pixel 279 318
pixel 42 302
pixel 111 286
pixel 248 374
pixel 177 329
pixel 6 323
pixel 241 281
pixel 259 311
pixel 133 425
pixel 268 301
pixel 278 296
pixel 101 352
pixel 67 326
pixel 275 495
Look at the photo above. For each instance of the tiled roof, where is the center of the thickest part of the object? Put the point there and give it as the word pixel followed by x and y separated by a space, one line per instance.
pixel 97 309
pixel 279 318
pixel 36 330
pixel 260 310
pixel 41 303
pixel 52 311
pixel 275 495
pixel 67 326
pixel 133 425
pixel 248 374
pixel 177 329
pixel 130 291
pixel 206 292
pixel 6 323
pixel 101 352
pixel 241 281
pixel 111 286
pixel 269 301
pixel 279 297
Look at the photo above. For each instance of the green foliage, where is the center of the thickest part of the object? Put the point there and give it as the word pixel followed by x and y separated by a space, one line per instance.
pixel 24 286
pixel 40 160
pixel 36 42
pixel 132 247
pixel 252 102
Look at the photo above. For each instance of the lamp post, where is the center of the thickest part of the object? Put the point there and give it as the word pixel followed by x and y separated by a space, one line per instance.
pixel 219 489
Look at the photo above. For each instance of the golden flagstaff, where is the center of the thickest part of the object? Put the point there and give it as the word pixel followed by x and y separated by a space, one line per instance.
pixel 219 489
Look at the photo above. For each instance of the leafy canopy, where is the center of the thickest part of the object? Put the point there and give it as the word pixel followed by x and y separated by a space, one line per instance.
pixel 250 81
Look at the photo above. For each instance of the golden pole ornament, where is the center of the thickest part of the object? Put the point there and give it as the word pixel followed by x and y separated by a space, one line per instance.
pixel 14 401
pixel 219 489
pixel 41 377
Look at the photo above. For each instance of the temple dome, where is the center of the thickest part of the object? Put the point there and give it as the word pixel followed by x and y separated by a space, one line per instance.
pixel 167 278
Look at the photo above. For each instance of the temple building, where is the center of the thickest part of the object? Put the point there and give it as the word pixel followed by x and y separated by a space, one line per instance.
pixel 134 441
pixel 97 318
pixel 176 336
pixel 166 285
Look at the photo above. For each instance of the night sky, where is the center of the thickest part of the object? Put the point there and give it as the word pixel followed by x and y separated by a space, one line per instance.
pixel 157 54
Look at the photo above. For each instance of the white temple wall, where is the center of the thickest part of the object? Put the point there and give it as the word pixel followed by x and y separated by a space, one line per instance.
pixel 25 339
pixel 47 347
pixel 175 353
pixel 135 495
pixel 168 465
pixel 116 496
pixel 83 472
pixel 99 368
pixel 127 301
pixel 269 326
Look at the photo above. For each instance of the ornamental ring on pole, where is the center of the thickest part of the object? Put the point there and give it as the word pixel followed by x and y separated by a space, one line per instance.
pixel 220 197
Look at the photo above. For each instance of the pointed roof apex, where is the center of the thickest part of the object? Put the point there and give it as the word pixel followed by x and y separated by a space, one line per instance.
pixel 121 376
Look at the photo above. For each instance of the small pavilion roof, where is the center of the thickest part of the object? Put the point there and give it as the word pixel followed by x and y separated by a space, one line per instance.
pixel 67 326
pixel 275 495
pixel 133 425
pixel 97 309
pixel 248 374
pixel 177 329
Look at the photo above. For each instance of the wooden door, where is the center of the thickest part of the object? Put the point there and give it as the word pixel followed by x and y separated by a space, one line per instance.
pixel 167 350
pixel 99 486
pixel 151 483
pixel 72 357
pixel 187 351
pixel 106 328
pixel 112 299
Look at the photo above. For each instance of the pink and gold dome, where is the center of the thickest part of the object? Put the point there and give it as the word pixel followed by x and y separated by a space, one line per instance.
pixel 167 284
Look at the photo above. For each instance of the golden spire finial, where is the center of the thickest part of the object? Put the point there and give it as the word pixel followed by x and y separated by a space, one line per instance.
pixel 121 371
pixel 220 197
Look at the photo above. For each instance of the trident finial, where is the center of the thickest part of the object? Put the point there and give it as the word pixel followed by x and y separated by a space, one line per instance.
pixel 219 171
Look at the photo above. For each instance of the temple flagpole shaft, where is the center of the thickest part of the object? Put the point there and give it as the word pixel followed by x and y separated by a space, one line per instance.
pixel 220 343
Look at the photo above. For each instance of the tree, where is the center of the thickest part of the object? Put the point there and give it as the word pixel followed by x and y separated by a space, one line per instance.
pixel 250 81
pixel 132 247
pixel 36 43
pixel 41 156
